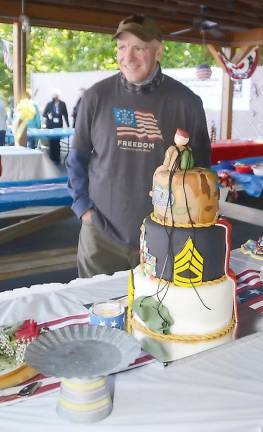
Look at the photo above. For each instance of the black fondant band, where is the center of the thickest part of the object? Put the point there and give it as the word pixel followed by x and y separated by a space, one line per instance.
pixel 165 243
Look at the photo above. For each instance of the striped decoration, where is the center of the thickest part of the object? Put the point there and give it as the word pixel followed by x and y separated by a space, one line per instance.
pixel 250 289
pixel 84 400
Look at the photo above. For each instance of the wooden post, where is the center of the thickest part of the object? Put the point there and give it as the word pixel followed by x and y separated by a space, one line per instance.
pixel 227 102
pixel 19 67
pixel 227 94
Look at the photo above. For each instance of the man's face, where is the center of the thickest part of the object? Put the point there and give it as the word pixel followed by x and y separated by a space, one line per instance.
pixel 137 59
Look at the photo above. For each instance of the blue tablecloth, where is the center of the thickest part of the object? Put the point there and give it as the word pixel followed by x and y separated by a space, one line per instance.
pixel 41 134
pixel 250 183
pixel 46 192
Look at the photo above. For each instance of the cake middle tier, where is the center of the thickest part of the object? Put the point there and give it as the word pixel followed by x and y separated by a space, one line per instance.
pixel 186 256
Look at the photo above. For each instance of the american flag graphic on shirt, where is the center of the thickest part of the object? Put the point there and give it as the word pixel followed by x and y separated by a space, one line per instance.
pixel 250 289
pixel 139 124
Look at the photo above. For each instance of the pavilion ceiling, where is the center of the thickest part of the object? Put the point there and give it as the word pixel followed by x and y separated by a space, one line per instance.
pixel 240 21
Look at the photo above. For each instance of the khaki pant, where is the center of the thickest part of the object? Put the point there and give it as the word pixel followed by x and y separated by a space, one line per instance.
pixel 97 254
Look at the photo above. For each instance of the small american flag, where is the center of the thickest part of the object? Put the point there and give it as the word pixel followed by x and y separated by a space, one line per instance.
pixel 139 124
pixel 250 289
pixel 7 55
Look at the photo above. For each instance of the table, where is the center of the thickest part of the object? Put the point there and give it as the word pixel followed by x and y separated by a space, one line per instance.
pixel 250 183
pixel 21 163
pixel 219 390
pixel 236 149
pixel 42 134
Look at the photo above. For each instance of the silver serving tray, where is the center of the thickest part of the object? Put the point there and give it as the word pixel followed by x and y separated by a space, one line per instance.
pixel 82 351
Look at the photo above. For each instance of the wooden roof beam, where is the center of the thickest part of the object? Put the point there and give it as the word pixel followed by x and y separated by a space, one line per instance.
pixel 249 37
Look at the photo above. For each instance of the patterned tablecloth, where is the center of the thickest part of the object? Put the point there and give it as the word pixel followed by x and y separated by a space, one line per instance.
pixel 34 193
pixel 218 390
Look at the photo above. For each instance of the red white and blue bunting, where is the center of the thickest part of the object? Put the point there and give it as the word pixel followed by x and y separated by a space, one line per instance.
pixel 245 68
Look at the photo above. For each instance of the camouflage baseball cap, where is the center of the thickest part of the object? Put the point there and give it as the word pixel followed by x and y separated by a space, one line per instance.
pixel 141 26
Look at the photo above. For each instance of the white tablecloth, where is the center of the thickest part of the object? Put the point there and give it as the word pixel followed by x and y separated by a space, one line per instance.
pixel 219 390
pixel 21 163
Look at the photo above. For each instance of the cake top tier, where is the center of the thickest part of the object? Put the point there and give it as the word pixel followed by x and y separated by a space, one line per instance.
pixel 184 194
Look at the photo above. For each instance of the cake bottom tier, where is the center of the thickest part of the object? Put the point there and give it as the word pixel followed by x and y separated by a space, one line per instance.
pixel 169 351
pixel 196 312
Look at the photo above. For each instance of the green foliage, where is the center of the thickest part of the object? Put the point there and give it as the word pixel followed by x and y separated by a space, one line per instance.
pixel 54 50
pixel 68 50
pixel 179 55
pixel 6 75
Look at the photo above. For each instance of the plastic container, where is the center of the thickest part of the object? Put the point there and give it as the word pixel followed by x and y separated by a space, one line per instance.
pixel 243 168
pixel 258 169
pixel 108 313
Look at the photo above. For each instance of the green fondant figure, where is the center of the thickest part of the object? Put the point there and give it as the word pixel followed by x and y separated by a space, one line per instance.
pixel 154 314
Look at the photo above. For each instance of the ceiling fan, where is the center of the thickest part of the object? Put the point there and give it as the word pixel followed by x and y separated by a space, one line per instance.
pixel 204 25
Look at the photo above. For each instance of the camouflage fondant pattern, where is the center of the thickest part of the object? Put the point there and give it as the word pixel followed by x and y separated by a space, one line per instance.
pixel 193 198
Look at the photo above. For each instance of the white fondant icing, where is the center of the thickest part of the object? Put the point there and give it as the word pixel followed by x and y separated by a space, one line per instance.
pixel 180 140
pixel 187 310
pixel 177 350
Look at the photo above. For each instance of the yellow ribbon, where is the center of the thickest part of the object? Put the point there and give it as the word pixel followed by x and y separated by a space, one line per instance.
pixel 25 112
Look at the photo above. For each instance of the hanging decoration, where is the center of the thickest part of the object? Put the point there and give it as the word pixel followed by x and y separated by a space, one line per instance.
pixel 24 20
pixel 203 72
pixel 25 23
pixel 244 69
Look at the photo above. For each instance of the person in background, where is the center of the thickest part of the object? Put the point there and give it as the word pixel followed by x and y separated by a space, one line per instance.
pixel 54 113
pixel 34 123
pixel 124 126
pixel 3 125
pixel 76 107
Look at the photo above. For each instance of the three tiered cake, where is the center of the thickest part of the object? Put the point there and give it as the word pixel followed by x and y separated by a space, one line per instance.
pixel 183 292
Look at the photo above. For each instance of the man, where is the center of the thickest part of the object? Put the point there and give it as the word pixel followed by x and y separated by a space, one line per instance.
pixel 125 123
pixel 54 112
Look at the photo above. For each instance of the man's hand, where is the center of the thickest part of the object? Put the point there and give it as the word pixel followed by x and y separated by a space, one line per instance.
pixel 87 216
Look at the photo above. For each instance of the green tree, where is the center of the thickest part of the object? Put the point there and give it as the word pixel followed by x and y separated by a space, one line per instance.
pixel 54 50
pixel 179 55
pixel 6 75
